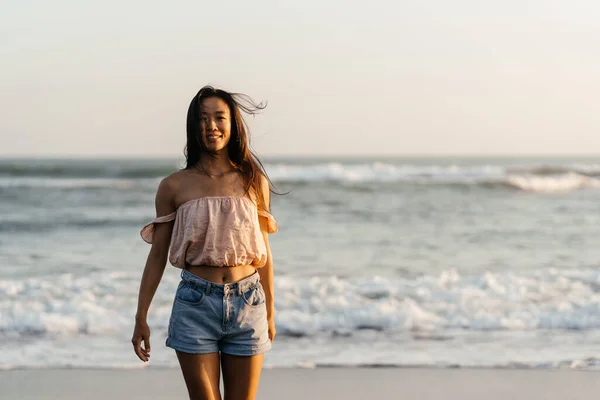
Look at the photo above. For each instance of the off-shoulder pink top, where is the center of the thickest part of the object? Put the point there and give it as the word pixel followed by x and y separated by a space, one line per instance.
pixel 216 231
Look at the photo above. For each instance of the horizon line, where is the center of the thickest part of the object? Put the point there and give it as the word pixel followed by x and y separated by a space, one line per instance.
pixel 302 156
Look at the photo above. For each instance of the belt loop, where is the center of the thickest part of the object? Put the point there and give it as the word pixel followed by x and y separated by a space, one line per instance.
pixel 207 289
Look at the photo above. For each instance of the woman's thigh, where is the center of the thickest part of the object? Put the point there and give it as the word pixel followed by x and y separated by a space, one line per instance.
pixel 241 375
pixel 201 374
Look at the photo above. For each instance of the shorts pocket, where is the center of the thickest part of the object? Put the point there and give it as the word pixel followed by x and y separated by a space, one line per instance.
pixel 255 296
pixel 189 295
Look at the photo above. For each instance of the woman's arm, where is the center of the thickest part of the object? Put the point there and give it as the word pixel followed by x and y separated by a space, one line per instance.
pixel 266 272
pixel 266 279
pixel 154 269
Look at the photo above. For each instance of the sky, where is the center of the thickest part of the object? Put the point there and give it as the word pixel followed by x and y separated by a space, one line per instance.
pixel 341 77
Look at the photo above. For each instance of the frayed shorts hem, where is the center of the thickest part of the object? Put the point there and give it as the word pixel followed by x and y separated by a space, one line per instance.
pixel 207 349
pixel 246 351
pixel 175 345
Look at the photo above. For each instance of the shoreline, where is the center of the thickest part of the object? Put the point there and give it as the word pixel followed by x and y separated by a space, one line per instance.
pixel 319 383
pixel 523 367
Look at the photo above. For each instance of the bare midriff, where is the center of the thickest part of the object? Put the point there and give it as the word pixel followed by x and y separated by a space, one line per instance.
pixel 222 274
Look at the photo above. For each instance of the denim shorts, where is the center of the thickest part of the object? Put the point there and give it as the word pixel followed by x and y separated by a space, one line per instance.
pixel 209 317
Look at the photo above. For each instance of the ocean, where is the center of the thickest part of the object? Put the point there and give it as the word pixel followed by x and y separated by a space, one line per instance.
pixel 434 262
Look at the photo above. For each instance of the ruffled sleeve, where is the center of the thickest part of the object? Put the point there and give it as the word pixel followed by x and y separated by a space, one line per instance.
pixel 272 225
pixel 147 231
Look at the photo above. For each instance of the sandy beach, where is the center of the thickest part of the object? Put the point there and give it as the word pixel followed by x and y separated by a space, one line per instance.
pixel 322 383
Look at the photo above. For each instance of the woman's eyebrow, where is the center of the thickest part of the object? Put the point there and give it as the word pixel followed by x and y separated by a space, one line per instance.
pixel 216 112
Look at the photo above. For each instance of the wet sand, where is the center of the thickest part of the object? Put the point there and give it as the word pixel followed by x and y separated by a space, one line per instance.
pixel 321 383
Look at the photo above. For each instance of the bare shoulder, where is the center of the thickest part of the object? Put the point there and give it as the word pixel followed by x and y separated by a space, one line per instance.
pixel 169 184
pixel 166 193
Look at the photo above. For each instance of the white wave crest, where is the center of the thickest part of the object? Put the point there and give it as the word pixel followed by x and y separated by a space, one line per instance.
pixel 66 318
pixel 542 179
pixel 449 301
pixel 552 184
pixel 380 172
pixel 72 183
pixel 533 178
pixel 491 301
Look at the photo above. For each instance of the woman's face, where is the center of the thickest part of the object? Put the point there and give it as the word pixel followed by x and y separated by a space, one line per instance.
pixel 215 123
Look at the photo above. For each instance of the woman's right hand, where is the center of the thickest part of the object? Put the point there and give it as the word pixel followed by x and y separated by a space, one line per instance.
pixel 141 333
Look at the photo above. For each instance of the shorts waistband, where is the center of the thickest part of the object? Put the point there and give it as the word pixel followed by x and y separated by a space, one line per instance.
pixel 222 288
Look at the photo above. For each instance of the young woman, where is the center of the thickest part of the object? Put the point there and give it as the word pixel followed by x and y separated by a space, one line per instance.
pixel 212 222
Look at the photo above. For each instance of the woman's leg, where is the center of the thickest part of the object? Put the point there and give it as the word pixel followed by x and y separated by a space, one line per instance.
pixel 241 375
pixel 201 374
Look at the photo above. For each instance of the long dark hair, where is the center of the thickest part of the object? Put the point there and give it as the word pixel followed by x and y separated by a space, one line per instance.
pixel 240 155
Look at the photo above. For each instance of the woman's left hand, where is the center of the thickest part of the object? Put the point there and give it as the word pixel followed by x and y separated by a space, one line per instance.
pixel 272 330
